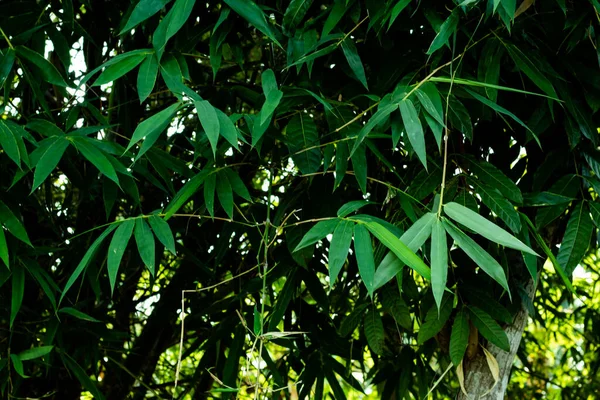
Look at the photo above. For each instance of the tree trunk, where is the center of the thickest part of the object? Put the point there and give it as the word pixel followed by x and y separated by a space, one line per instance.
pixel 478 378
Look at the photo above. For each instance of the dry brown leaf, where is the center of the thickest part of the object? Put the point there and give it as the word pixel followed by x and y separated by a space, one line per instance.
pixel 524 7
pixel 494 368
pixel 461 378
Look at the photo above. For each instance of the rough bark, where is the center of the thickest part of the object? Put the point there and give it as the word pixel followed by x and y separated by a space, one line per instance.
pixel 478 378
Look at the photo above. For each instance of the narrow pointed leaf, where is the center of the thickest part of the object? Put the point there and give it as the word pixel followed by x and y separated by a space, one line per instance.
pixel 237 184
pixel 435 320
pixel 253 14
pixel 33 353
pixel 171 24
pixel 209 121
pixel 142 11
pixel 82 376
pixel 414 129
pixel 86 259
pixel 154 125
pixel 147 77
pixel 18 289
pixel 439 261
pixel 187 191
pixel 9 143
pixel 375 120
pixel 338 250
pixel 4 256
pixel 374 331
pixel 96 157
pixel 459 338
pixel 228 129
pixel 6 63
pixel 117 247
pixel 354 61
pixel 46 68
pixel 163 232
pixel 302 139
pixel 529 68
pixel 364 256
pixel 117 70
pixel 499 205
pixel 476 253
pixel 317 232
pixel 491 175
pixel 352 206
pixel 485 228
pixel 446 30
pixel 489 328
pixel 49 160
pixel 294 14
pixel 13 224
pixel 225 195
pixel 209 193
pixel 17 365
pixel 145 243
pixel 335 15
pixel 576 240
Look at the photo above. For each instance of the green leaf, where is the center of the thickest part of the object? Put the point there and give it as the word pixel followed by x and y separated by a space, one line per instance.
pixel 210 122
pixel 576 239
pixel 257 321
pixel 272 95
pixel 489 328
pixel 401 251
pixel 530 69
pixel 352 206
pixel 43 279
pixel 374 331
pixel 317 232
pixel 501 110
pixel 338 250
pixel 171 24
pixel 302 139
pixel 9 143
pixel 82 376
pixel 237 184
pixel 45 128
pixel 18 365
pixel 432 103
pixel 398 8
pixel 359 165
pixel 117 248
pixel 414 238
pixel 46 68
pixel 334 17
pixel 395 305
pixel 295 13
pixel 117 70
pixel 459 338
pixel 12 223
pixel 6 63
pixel 414 129
pixel 255 16
pixel 4 248
pixel 485 228
pixel 489 67
pixel 446 30
pixel 228 129
pixel 435 320
pixel 18 289
pixel 145 243
pixel 559 269
pixel 476 253
pixel 152 127
pixel 96 157
pixel 283 299
pixel 542 199
pixel 86 260
pixel 354 61
pixel 381 114
pixel 36 352
pixel 488 304
pixel 499 205
pixel 142 11
pixel 209 193
pixel 496 179
pixel 460 118
pixel 225 195
pixel 48 160
pixel 364 256
pixel 77 314
pixel 187 191
pixel 351 321
pixel 147 74
pixel 439 261
pixel 487 86
pixel 163 232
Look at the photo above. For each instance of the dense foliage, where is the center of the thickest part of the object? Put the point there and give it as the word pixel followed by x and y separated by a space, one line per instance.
pixel 298 199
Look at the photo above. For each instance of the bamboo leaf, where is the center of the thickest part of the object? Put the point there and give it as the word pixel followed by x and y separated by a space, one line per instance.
pixel 6 63
pixel 381 114
pixel 209 193
pixel 116 250
pixel 4 248
pixel 86 260
pixel 496 178
pixel 476 253
pixel 354 61
pixel 96 157
pixel 334 17
pixel 577 238
pixel 171 24
pixel 318 232
pixel 499 205
pixel 48 160
pixel 435 320
pixel 295 13
pixel 459 338
pixel 33 353
pixel 439 261
pixel 117 70
pixel 414 129
pixel 446 30
pixel 364 256
pixel 485 228
pixel 253 14
pixel 153 126
pixel 46 68
pixel 163 233
pixel 228 129
pixel 374 331
pixel 17 364
pixel 187 191
pixel 352 206
pixel 145 243
pixel 18 289
pixel 351 321
pixel 395 305
pixel 210 122
pixel 359 165
pixel 338 250
pixel 147 76
pixel 81 376
pixel 302 137
pixel 142 11
pixel 77 314
pixel 225 195
pixel 489 328
pixel 529 68
pixel 12 223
